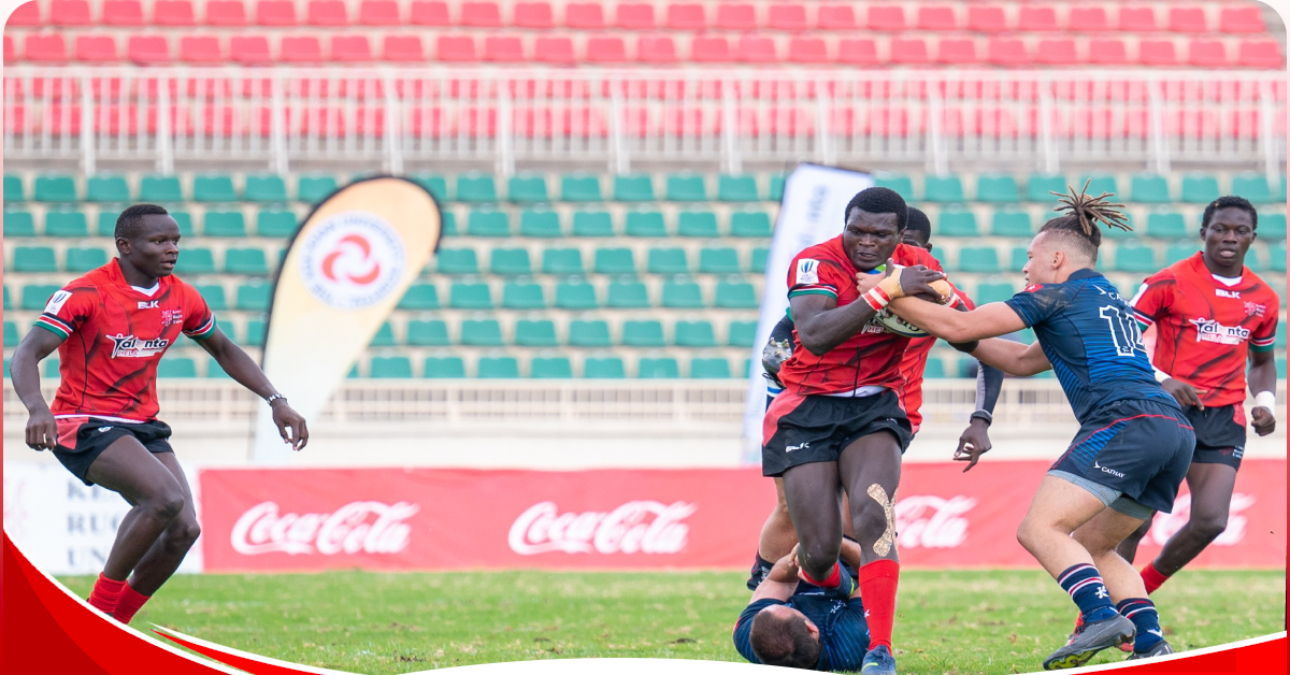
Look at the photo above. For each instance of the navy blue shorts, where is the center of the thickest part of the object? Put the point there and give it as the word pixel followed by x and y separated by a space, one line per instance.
pixel 1139 448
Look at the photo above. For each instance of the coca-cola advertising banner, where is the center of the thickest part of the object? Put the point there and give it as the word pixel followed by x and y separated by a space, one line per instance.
pixel 393 519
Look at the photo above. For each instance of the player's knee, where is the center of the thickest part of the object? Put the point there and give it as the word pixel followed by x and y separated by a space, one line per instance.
pixel 818 556
pixel 167 504
pixel 870 521
pixel 183 535
pixel 1028 535
pixel 1208 525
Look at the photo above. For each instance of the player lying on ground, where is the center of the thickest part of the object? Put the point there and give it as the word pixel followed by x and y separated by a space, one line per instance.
pixel 839 426
pixel 1134 443
pixel 111 328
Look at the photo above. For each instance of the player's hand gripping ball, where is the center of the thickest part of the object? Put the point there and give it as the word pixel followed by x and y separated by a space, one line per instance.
pixel 894 324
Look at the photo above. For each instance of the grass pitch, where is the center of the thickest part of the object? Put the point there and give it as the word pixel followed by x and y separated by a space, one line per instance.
pixel 950 622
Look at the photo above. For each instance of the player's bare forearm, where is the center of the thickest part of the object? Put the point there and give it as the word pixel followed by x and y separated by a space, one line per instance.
pixel 237 363
pixel 954 326
pixel 1013 358
pixel 38 344
pixel 1263 371
pixel 822 325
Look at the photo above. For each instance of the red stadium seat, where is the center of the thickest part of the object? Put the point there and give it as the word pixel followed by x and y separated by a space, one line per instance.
pixel 280 13
pixel 533 15
pixel 857 52
pixel 606 50
pixel 582 123
pixel 379 13
pixel 1032 19
pixel 26 15
pixel 987 19
pixel 1007 52
pixel 178 13
pixel 634 16
pixel 478 122
pixel 555 50
pixel 229 13
pixel 808 50
pixel 1261 54
pixel 200 49
pixel 45 48
pixel 402 49
pixel 786 17
pixel 1088 20
pixel 756 49
pixel 70 13
pixel 350 48
pixel 10 53
pixel 95 48
pixel 936 18
pixel 1230 20
pixel 908 51
pixel 1157 53
pixel 1207 54
pixel 886 17
pixel 430 13
pixel 455 48
pixel 656 49
pixel 481 15
pixel 1138 19
pixel 736 16
pixel 686 16
pixel 432 122
pixel 1107 52
pixel 584 15
pixel 326 13
pixel 122 13
pixel 300 49
pixel 709 49
pixel 1058 52
pixel 1187 20
pixel 956 51
pixel 1193 124
pixel 249 49
pixel 837 17
pixel 503 49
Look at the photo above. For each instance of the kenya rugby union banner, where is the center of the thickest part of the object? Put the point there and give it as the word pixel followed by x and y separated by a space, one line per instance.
pixel 394 519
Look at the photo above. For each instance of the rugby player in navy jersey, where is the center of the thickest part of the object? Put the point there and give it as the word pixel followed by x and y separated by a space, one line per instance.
pixel 1134 443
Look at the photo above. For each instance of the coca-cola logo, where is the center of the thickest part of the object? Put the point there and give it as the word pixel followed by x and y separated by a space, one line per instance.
pixel 357 527
pixel 635 527
pixel 929 521
pixel 1167 524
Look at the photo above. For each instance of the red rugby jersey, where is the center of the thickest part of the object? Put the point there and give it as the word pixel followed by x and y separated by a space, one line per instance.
pixel 113 337
pixel 871 356
pixel 914 363
pixel 1204 328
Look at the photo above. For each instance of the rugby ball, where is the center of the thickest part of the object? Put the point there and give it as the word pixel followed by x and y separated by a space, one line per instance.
pixel 893 323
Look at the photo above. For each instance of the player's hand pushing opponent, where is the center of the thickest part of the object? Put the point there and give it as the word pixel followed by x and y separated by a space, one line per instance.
pixel 916 280
pixel 1186 395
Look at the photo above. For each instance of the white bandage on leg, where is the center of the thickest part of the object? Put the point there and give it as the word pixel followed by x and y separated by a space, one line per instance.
pixel 888 539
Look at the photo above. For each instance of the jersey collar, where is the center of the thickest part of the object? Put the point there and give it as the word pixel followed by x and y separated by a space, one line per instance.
pixel 1083 273
pixel 1198 263
pixel 118 278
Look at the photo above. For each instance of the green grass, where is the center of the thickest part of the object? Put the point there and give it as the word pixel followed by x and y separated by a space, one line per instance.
pixel 949 621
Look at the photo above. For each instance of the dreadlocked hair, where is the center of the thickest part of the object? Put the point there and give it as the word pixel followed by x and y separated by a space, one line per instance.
pixel 1083 213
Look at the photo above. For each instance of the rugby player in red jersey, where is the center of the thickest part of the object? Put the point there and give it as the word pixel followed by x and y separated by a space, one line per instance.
pixel 110 328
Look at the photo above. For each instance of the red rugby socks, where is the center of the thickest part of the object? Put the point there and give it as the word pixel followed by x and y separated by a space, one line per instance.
pixel 106 594
pixel 1152 578
pixel 833 580
pixel 130 602
pixel 878 582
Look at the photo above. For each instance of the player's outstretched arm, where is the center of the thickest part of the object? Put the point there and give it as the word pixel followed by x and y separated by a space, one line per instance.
pixel 247 373
pixel 1013 358
pixel 975 439
pixel 42 429
pixel 1262 379
pixel 954 326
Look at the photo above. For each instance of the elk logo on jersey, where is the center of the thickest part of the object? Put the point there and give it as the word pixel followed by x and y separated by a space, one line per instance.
pixel 1209 330
pixel 131 347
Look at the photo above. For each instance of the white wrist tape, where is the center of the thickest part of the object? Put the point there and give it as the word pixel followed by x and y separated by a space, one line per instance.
pixel 1266 399
pixel 1161 375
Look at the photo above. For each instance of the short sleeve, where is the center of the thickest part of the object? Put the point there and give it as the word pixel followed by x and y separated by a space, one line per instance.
pixel 67 310
pixel 743 628
pixel 1264 338
pixel 1036 304
pixel 199 321
pixel 812 276
pixel 1152 300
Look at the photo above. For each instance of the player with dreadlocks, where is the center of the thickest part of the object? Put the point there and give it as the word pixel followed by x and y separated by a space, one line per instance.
pixel 1134 444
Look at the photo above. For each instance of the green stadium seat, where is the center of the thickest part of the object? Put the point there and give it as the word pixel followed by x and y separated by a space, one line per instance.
pixel 253 296
pixel 106 224
pixel 275 224
pixel 50 368
pixel 8 303
pixel 935 368
pixel 737 188
pixel 59 188
pixel 1000 188
pixel 1018 258
pixel 265 188
pixel 562 261
pixel 1254 187
pixel 509 261
pixel 214 188
pixel 384 336
pixel 658 368
pixel 1254 258
pixel 750 224
pixel 1149 188
pixel 1199 188
pixel 66 224
pixel 227 224
pixel 1135 257
pixel 942 189
pixel 21 224
pixel 1166 225
pixel 643 333
pixel 550 368
pixel 449 224
pixel 543 224
pixel 984 259
pixel 107 188
pixel 11 336
pixel 315 187
pixel 993 292
pixel 390 368
pixel 523 295
pixel 667 261
pixel 428 333
pixel 444 368
pixel 195 261
pixel 13 191
pixel 614 261
pixel 776 192
pixel 84 259
pixel 526 188
pixel 1179 251
pixel 488 223
pixel 741 334
pixel 580 187
pixel 250 261
pixel 697 224
pixel 589 333
pixel 476 188
pixel 1117 233
pixel 723 260
pixel 476 295
pixel 603 368
pixel 420 295
pixel 757 261
pixel 457 261
pixel 956 222
pixel 685 187
pixel 735 295
pixel 481 333
pixel 695 334
pixel 34 259
pixel 214 296
pixel 1011 222
pixel 575 294
pixel 634 188
pixel 709 369
pixel 1281 335
pixel 498 368
pixel 1039 185
pixel 535 333
pixel 593 224
pixel 682 294
pixel 646 224
pixel 1281 367
pixel 176 366
pixel 1097 184
pixel 435 184
pixel 157 188
pixel 1277 253
pixel 1272 226
pixel 901 183
pixel 626 294
pixel 256 332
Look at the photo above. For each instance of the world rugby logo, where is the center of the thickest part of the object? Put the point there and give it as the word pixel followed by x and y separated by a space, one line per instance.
pixel 352 260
